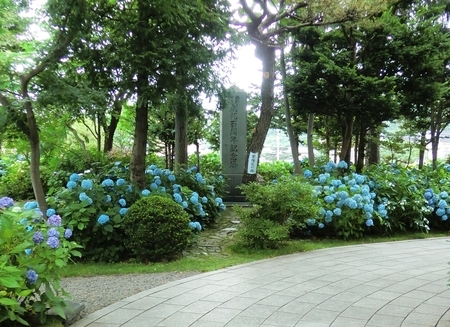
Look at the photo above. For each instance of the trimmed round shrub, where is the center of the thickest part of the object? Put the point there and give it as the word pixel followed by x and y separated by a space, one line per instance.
pixel 156 229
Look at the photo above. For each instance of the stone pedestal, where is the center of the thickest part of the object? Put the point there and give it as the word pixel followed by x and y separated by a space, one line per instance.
pixel 233 143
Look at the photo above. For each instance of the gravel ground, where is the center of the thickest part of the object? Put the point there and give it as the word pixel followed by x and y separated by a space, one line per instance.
pixel 100 291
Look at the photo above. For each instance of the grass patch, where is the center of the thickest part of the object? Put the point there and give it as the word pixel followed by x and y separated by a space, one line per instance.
pixel 233 255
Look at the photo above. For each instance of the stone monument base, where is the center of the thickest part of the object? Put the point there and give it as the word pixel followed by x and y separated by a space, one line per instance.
pixel 234 193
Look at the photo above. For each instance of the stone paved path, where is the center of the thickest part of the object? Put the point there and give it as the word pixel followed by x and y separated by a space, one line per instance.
pixel 400 284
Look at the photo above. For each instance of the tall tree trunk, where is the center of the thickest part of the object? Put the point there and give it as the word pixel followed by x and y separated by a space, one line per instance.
pixel 111 128
pixel 287 109
pixel 309 140
pixel 33 137
pixel 423 144
pixel 267 56
pixel 181 133
pixel 361 149
pixel 374 147
pixel 347 135
pixel 139 151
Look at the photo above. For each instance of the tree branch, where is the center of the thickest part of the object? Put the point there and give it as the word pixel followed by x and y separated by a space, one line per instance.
pixel 55 55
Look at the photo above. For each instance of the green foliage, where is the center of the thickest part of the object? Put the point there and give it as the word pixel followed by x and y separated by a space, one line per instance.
pixel 280 209
pixel 272 170
pixel 16 182
pixel 30 267
pixel 156 229
pixel 209 163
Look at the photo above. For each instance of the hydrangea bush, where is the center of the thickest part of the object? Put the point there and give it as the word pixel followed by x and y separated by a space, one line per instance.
pixel 384 199
pixel 32 252
pixel 94 206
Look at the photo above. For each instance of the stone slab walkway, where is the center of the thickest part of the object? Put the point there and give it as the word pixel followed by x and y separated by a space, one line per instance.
pixel 399 284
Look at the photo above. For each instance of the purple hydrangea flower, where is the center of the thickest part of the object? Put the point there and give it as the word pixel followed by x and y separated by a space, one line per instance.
pixel 52 232
pixel 53 242
pixel 6 202
pixel 54 220
pixel 38 237
pixel 67 233
pixel 31 276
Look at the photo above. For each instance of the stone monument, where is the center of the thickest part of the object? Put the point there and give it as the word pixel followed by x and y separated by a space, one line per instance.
pixel 233 143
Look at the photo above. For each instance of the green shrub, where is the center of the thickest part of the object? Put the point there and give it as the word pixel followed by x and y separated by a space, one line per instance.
pixel 273 170
pixel 156 229
pixel 16 183
pixel 280 208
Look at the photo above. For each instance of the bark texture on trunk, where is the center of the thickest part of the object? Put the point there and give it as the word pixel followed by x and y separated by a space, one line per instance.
pixel 267 56
pixel 111 128
pixel 181 136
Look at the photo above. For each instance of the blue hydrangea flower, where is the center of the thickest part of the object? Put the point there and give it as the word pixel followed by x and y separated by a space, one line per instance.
pixel 218 200
pixel 23 221
pixel 158 181
pixel 195 225
pixel 53 242
pixel 310 222
pixel 87 184
pixel 103 219
pixel 177 197
pixel 71 185
pixel 383 213
pixel 120 182
pixel 443 195
pixel 184 204
pixel 28 251
pixel 129 189
pixel 67 233
pixel 54 220
pixel 329 199
pixel 52 232
pixel 157 172
pixel 440 212
pixel 171 178
pixel 321 225
pixel 123 211
pixel 322 179
pixel 369 222
pixel 153 186
pixel 162 189
pixel 442 204
pixel 83 196
pixel 6 202
pixel 444 217
pixel 307 173
pixel 108 198
pixel 74 177
pixel 123 202
pixel 31 276
pixel 194 199
pixel 368 208
pixel 222 207
pixel 428 194
pixel 342 165
pixel 199 178
pixel 38 237
pixel 29 228
pixel 152 167
pixel 145 192
pixel 204 200
pixel 50 212
pixel 108 183
pixel 30 205
pixel 337 211
pixel 351 203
